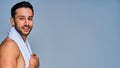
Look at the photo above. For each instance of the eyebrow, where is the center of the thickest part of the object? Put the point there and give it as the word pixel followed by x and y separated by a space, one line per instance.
pixel 24 16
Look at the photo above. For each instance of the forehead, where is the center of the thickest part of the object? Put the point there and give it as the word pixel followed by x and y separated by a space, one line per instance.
pixel 24 12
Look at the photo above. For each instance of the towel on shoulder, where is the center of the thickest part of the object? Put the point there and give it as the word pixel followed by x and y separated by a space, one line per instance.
pixel 23 46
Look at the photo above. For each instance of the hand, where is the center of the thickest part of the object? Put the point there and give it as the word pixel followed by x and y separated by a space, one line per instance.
pixel 34 61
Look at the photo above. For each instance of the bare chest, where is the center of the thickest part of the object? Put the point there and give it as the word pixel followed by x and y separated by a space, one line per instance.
pixel 20 62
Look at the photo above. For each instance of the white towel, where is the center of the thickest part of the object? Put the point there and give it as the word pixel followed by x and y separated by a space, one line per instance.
pixel 23 46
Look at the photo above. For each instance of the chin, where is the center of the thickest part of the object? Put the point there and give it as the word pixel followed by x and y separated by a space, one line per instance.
pixel 25 33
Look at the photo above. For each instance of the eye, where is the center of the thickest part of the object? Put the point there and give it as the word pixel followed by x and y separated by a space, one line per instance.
pixel 21 18
pixel 30 18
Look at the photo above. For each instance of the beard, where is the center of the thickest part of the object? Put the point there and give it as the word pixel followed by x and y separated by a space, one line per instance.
pixel 24 30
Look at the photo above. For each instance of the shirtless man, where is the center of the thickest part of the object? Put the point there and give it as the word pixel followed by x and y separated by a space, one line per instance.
pixel 10 54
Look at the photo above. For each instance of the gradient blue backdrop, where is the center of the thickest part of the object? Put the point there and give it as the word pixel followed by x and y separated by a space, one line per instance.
pixel 72 33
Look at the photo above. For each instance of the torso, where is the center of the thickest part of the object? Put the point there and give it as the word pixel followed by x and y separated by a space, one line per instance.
pixel 20 61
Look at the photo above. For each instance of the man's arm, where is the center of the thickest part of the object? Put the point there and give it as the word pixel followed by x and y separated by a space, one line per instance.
pixel 8 54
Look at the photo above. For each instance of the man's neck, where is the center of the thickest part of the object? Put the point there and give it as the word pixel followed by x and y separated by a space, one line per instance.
pixel 24 38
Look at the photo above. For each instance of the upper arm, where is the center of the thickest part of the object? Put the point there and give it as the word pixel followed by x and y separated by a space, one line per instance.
pixel 8 54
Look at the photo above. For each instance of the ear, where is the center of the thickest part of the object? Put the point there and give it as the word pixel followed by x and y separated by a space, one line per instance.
pixel 12 21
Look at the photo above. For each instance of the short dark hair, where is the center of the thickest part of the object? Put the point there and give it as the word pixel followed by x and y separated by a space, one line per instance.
pixel 20 5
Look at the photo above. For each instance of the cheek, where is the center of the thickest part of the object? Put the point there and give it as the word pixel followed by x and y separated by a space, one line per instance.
pixel 31 24
pixel 19 24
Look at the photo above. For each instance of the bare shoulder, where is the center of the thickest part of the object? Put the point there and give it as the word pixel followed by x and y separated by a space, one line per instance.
pixel 9 46
pixel 9 52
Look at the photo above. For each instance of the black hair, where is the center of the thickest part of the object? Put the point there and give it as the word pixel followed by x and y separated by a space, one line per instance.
pixel 20 5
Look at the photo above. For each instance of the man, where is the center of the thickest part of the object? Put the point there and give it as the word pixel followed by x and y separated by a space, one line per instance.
pixel 15 51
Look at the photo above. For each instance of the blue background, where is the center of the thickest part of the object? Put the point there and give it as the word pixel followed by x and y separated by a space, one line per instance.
pixel 72 33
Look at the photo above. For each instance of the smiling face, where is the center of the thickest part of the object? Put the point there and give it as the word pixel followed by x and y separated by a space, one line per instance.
pixel 23 21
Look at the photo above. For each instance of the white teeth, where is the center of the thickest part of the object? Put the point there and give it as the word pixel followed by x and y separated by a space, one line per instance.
pixel 26 28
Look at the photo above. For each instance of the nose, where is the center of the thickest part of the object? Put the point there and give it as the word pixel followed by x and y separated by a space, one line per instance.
pixel 26 22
